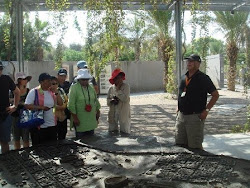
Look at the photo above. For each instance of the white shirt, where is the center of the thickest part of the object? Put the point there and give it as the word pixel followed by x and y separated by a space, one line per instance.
pixel 49 118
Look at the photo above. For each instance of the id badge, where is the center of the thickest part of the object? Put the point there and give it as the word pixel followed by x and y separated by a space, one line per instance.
pixel 183 94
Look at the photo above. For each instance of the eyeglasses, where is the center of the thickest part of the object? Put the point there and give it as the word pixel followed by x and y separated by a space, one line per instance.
pixel 54 83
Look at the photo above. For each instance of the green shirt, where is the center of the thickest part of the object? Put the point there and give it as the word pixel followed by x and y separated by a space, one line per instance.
pixel 78 98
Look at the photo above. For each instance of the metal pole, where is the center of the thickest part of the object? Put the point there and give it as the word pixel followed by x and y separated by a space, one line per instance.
pixel 19 35
pixel 178 32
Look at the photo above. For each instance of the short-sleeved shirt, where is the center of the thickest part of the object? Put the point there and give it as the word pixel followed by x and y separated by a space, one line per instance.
pixel 193 99
pixel 7 84
pixel 49 118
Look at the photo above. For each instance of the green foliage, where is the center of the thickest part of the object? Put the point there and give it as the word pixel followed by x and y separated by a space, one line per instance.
pixel 73 55
pixel 76 47
pixel 232 24
pixel 59 55
pixel 57 5
pixel 34 39
pixel 172 79
pixel 215 46
pixel 202 19
pixel 5 39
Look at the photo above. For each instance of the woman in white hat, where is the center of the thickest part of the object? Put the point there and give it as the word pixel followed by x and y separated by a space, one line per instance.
pixel 83 105
pixel 22 80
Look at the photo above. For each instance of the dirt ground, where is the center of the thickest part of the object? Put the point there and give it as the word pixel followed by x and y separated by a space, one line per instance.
pixel 154 114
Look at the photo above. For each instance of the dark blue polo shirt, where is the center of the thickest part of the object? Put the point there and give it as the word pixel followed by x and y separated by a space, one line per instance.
pixel 195 98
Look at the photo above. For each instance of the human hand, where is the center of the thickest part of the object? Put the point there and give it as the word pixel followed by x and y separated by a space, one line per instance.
pixel 203 115
pixel 97 115
pixel 45 108
pixel 11 109
pixel 76 121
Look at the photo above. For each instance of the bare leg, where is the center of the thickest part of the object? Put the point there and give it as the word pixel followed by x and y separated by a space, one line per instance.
pixel 26 144
pixel 5 147
pixel 17 144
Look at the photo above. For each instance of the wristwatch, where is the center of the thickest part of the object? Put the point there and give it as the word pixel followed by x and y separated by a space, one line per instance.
pixel 207 110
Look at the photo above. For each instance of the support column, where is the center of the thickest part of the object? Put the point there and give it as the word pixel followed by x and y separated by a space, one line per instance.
pixel 19 34
pixel 178 34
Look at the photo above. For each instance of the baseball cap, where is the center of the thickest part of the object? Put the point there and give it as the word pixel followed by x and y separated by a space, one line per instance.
pixel 193 57
pixel 22 75
pixel 62 72
pixel 82 64
pixel 44 76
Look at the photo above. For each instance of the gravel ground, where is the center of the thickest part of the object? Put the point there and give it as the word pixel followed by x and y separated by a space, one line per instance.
pixel 153 113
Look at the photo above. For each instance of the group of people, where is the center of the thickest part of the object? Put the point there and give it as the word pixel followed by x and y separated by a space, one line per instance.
pixel 78 101
pixel 60 100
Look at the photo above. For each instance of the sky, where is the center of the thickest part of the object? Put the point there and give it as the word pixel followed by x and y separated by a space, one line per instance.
pixel 72 35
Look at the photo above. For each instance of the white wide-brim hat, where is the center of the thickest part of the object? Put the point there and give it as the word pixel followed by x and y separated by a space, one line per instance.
pixel 83 74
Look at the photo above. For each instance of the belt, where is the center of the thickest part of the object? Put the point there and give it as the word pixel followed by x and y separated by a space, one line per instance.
pixel 189 113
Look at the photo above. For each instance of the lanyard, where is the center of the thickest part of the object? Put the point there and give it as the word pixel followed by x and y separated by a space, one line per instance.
pixel 187 80
pixel 84 95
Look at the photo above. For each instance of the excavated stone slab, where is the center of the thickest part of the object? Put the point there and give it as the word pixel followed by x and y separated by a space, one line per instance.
pixel 76 164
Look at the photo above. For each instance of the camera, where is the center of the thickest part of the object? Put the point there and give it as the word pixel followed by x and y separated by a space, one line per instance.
pixel 114 100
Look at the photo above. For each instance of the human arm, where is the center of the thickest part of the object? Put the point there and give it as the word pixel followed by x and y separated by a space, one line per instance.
pixel 123 93
pixel 13 108
pixel 109 96
pixel 29 102
pixel 72 104
pixel 211 103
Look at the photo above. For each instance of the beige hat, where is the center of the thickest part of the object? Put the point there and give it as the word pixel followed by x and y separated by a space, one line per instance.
pixel 23 76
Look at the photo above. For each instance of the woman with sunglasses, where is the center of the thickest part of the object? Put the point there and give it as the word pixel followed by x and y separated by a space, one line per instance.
pixel 83 105
pixel 47 100
pixel 60 110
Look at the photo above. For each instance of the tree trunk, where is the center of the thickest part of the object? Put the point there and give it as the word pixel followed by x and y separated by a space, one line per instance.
pixel 232 53
pixel 166 46
pixel 137 50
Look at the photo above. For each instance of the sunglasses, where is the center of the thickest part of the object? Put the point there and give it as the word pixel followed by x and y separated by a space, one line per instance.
pixel 54 83
pixel 84 79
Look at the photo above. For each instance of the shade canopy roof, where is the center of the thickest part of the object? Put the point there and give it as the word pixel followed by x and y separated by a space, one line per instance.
pixel 212 5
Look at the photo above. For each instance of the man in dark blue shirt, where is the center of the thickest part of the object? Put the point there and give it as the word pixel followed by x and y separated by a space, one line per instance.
pixel 192 104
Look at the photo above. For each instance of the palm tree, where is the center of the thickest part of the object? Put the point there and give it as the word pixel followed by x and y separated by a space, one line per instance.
pixel 232 25
pixel 138 32
pixel 161 25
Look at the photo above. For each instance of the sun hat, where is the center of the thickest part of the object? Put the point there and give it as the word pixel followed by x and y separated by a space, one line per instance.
pixel 62 72
pixel 83 74
pixel 44 76
pixel 115 73
pixel 82 65
pixel 23 76
pixel 193 57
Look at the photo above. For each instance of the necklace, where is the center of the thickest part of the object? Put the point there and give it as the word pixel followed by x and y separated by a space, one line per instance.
pixel 84 95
